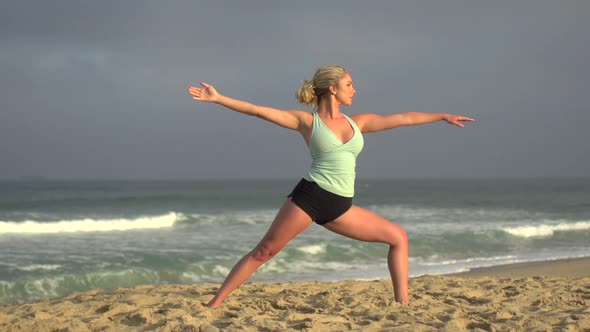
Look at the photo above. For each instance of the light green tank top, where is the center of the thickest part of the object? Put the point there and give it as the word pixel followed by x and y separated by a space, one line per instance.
pixel 334 162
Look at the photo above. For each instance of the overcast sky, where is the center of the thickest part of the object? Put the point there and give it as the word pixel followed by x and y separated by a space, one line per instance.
pixel 97 89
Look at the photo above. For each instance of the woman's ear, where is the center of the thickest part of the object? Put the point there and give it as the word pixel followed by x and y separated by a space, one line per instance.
pixel 332 90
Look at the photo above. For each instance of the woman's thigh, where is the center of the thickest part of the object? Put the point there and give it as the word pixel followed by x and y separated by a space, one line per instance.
pixel 364 225
pixel 288 223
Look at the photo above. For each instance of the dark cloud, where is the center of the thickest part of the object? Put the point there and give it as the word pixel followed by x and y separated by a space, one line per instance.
pixel 98 89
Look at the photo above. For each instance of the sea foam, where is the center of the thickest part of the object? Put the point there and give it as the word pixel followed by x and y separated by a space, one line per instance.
pixel 88 225
pixel 545 230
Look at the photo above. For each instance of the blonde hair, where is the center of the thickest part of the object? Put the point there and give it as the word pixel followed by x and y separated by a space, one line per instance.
pixel 310 92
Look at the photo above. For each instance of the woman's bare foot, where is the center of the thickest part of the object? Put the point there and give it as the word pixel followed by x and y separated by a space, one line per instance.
pixel 213 304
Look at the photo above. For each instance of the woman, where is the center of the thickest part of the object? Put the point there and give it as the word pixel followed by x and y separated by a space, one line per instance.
pixel 325 194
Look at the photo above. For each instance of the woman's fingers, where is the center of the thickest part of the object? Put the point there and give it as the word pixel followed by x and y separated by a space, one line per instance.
pixel 206 93
pixel 456 120
pixel 456 123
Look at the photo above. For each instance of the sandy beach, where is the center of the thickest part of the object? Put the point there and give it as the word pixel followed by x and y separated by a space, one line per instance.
pixel 540 296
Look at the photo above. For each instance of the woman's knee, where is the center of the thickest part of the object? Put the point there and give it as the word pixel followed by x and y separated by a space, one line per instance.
pixel 264 252
pixel 398 236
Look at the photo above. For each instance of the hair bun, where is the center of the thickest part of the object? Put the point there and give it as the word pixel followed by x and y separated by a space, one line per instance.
pixel 306 94
pixel 310 92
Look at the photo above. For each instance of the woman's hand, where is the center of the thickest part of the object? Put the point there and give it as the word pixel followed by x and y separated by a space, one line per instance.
pixel 206 93
pixel 457 119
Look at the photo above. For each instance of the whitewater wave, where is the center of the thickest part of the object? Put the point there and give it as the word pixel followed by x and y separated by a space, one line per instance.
pixel 90 225
pixel 545 230
pixel 40 267
pixel 434 260
pixel 232 218
pixel 61 285
pixel 315 249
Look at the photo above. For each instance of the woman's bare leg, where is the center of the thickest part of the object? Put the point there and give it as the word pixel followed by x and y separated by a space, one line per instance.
pixel 289 222
pixel 361 224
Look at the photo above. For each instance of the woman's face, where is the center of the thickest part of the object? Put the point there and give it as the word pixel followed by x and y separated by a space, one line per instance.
pixel 345 90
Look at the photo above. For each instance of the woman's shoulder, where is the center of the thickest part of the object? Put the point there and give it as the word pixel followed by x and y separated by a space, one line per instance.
pixel 360 116
pixel 304 117
pixel 361 119
pixel 303 114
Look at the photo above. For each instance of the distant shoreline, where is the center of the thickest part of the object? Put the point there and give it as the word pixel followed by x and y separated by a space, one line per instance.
pixel 567 267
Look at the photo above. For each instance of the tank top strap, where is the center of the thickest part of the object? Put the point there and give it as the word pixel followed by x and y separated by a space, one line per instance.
pixel 352 123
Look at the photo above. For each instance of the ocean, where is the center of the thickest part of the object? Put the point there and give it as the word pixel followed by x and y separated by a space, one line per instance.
pixel 61 237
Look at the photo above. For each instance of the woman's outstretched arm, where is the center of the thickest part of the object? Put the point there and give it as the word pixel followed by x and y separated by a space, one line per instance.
pixel 292 119
pixel 369 123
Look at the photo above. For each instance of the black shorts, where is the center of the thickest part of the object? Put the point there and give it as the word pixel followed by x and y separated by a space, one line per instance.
pixel 321 205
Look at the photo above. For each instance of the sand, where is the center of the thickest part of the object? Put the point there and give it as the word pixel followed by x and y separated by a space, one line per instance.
pixel 544 296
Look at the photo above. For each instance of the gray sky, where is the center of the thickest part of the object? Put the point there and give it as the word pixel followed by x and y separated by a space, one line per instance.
pixel 98 89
